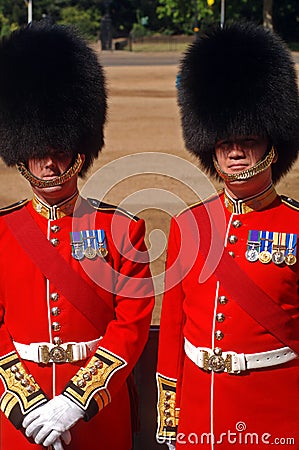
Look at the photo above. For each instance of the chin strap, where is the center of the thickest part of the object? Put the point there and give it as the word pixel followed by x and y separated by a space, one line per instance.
pixel 259 167
pixel 37 182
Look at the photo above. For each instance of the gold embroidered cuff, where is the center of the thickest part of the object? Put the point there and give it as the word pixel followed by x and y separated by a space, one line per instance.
pixel 22 393
pixel 88 388
pixel 168 414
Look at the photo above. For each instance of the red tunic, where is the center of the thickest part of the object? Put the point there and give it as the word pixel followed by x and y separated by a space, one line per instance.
pixel 32 310
pixel 204 409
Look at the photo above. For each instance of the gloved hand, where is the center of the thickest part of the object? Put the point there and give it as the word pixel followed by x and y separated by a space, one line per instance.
pixel 170 446
pixel 66 437
pixel 48 422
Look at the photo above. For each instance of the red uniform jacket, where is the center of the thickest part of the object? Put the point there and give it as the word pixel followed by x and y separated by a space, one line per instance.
pixel 33 310
pixel 204 409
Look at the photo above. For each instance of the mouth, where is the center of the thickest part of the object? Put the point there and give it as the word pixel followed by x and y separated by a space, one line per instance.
pixel 237 167
pixel 50 177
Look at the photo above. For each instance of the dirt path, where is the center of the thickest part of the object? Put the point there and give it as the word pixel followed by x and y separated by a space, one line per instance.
pixel 143 117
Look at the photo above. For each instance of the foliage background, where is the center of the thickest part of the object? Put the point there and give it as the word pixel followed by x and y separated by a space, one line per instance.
pixel 149 16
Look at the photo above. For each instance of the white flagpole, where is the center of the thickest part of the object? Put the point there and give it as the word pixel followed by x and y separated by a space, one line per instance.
pixel 29 11
pixel 222 17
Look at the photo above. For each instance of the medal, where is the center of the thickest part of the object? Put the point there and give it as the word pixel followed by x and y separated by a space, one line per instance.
pixel 253 243
pixel 77 245
pixel 252 255
pixel 101 243
pixel 279 240
pixel 90 252
pixel 278 257
pixel 290 258
pixel 89 244
pixel 265 256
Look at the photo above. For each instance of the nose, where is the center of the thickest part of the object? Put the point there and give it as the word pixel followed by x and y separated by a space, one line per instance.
pixel 235 151
pixel 48 162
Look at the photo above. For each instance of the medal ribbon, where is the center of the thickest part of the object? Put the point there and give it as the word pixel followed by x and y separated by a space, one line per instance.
pixel 253 239
pixel 291 243
pixel 89 239
pixel 100 239
pixel 76 241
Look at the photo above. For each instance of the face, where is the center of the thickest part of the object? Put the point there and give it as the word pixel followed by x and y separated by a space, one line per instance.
pixel 237 154
pixel 48 168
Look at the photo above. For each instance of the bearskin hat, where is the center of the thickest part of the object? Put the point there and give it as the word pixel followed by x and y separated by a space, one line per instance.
pixel 52 94
pixel 239 80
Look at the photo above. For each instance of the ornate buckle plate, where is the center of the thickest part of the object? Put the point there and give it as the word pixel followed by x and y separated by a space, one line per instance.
pixel 216 362
pixel 57 354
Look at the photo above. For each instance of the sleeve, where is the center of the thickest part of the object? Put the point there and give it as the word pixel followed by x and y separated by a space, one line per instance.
pixel 19 392
pixel 170 350
pixel 94 385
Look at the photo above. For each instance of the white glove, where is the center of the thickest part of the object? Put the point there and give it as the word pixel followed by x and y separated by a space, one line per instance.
pixel 66 437
pixel 48 422
pixel 170 446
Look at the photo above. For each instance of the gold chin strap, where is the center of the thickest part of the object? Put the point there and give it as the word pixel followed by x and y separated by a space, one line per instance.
pixel 259 167
pixel 38 182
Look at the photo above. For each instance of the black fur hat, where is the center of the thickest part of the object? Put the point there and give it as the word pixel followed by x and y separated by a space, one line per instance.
pixel 239 80
pixel 52 94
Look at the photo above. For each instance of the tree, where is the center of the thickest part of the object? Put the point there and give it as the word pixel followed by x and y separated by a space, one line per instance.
pixel 87 21
pixel 184 15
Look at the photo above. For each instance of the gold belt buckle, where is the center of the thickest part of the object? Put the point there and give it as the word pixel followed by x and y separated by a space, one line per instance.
pixel 216 362
pixel 57 354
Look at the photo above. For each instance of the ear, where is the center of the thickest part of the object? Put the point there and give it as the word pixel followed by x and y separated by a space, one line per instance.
pixel 275 157
pixel 82 155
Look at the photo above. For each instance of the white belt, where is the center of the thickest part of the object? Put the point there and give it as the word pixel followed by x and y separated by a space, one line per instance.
pixel 234 363
pixel 44 352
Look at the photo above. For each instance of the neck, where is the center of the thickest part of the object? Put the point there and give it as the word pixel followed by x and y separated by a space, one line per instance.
pixel 54 199
pixel 249 188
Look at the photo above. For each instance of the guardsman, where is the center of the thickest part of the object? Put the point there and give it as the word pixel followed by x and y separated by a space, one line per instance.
pixel 228 367
pixel 75 287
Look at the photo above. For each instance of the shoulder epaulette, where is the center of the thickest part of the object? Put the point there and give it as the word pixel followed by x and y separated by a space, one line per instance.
pixel 13 207
pixel 102 206
pixel 290 202
pixel 201 202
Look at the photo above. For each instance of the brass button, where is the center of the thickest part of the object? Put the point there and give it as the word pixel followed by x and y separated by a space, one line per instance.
pixel 219 335
pixel 54 296
pixel 168 395
pixel 55 311
pixel 168 422
pixel 56 326
pixel 222 300
pixel 55 228
pixel 233 239
pixel 54 242
pixel 237 223
pixel 98 364
pixel 81 384
pixel 30 389
pixel 19 376
pixel 232 254
pixel 57 340
pixel 220 317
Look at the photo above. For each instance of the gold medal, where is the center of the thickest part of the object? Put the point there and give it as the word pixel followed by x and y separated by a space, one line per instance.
pixel 102 251
pixel 265 257
pixel 290 259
